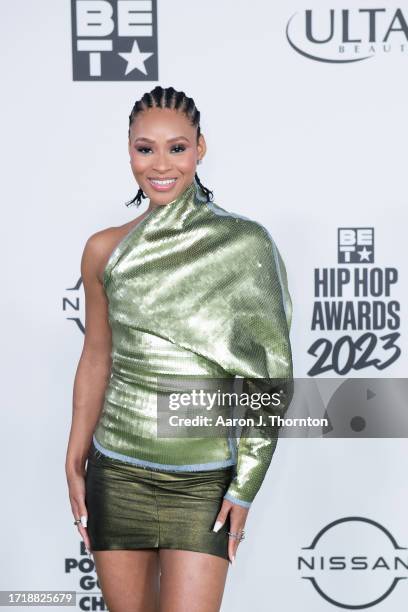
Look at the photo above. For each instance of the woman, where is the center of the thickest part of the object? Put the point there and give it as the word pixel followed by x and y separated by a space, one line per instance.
pixel 186 288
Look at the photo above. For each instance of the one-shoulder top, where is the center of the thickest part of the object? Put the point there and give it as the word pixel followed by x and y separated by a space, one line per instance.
pixel 193 290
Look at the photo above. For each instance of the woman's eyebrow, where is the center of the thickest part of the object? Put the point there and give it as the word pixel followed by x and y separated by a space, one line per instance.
pixel 168 140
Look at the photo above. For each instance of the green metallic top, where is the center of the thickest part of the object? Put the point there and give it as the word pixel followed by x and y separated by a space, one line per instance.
pixel 193 290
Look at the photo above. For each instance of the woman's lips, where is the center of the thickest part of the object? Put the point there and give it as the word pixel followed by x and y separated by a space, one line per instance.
pixel 162 185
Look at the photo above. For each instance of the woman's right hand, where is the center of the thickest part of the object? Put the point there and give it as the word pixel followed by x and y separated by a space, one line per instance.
pixel 76 486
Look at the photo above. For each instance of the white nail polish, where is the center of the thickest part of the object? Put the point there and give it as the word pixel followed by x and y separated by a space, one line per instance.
pixel 84 521
pixel 233 560
pixel 217 526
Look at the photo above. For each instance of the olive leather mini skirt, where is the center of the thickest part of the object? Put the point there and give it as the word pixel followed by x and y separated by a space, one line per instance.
pixel 132 507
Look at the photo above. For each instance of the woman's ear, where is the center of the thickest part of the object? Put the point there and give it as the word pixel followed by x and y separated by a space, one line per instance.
pixel 201 146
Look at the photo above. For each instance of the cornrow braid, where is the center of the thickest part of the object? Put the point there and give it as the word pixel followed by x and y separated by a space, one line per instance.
pixel 168 97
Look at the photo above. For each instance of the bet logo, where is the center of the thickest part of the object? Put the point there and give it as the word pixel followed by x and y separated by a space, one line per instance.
pixel 355 244
pixel 114 40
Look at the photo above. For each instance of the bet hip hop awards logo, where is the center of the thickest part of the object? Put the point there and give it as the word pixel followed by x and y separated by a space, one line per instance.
pixel 356 310
pixel 114 40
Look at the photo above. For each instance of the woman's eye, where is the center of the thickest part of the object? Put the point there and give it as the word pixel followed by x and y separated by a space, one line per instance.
pixel 143 149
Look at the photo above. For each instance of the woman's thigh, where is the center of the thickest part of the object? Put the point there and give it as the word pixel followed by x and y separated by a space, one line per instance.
pixel 129 579
pixel 191 581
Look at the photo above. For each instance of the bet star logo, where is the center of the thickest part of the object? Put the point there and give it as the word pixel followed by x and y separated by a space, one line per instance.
pixel 114 40
pixel 355 245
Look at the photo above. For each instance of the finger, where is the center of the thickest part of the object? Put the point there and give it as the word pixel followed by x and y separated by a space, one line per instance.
pixel 236 526
pixel 231 549
pixel 222 515
pixel 80 512
pixel 233 544
pixel 84 533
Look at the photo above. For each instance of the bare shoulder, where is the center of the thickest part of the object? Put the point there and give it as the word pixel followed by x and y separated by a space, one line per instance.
pixel 100 245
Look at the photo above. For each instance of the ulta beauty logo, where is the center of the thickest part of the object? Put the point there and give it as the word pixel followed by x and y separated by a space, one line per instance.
pixel 340 36
pixel 354 563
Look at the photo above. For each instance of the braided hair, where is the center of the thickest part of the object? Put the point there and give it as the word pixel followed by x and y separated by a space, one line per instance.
pixel 168 98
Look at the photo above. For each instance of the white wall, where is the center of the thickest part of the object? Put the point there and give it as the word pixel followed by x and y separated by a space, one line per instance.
pixel 301 145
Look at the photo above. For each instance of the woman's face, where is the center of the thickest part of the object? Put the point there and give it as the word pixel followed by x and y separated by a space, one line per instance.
pixel 163 145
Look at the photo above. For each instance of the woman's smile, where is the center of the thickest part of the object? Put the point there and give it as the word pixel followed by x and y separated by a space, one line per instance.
pixel 162 184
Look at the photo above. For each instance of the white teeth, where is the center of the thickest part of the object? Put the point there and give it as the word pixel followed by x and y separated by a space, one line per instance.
pixel 166 182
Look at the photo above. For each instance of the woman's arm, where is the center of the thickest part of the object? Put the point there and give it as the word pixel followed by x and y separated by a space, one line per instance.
pixel 94 365
pixel 263 310
pixel 266 332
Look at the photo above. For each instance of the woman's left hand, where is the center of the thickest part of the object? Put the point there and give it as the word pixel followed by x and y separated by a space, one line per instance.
pixel 238 516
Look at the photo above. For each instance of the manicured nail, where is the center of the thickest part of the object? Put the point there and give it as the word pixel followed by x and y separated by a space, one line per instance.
pixel 233 560
pixel 217 526
pixel 84 521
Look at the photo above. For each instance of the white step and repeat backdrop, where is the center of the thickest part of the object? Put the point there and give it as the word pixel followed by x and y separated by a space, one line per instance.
pixel 303 107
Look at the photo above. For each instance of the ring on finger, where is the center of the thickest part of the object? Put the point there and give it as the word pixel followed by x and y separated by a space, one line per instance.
pixel 237 535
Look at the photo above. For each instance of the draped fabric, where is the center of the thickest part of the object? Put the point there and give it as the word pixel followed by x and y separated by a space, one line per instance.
pixel 193 289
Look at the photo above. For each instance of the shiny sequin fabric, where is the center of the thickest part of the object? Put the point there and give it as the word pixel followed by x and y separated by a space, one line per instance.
pixel 192 290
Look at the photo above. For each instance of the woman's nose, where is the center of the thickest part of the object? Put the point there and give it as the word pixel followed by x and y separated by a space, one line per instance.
pixel 162 162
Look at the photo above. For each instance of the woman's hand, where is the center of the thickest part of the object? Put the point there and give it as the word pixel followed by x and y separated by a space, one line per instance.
pixel 238 516
pixel 76 486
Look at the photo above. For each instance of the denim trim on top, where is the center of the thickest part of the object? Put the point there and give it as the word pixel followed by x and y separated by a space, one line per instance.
pixel 275 254
pixel 235 500
pixel 192 467
pixel 232 443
